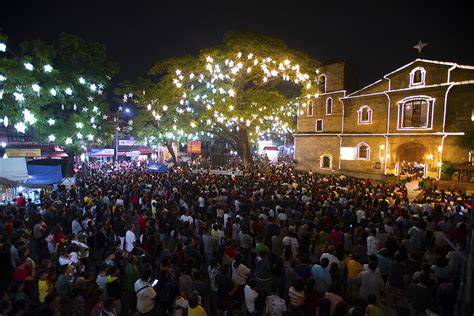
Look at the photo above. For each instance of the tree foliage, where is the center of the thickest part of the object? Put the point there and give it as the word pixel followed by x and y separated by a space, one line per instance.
pixel 248 86
pixel 58 90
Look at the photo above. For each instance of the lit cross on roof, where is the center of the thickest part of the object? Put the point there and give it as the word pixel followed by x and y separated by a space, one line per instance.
pixel 420 46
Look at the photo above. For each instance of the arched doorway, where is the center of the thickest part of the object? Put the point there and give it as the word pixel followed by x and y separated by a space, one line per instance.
pixel 411 159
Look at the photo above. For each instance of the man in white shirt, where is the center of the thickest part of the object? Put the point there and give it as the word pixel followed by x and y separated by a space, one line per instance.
pixel 130 238
pixel 250 295
pixel 373 243
pixel 329 254
pixel 146 294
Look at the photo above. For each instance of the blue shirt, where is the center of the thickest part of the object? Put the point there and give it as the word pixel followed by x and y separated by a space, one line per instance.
pixel 322 278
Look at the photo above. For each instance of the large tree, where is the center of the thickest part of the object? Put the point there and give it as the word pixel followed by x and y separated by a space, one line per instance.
pixel 246 87
pixel 57 90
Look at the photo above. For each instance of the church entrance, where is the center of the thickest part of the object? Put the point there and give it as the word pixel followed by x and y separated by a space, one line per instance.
pixel 412 160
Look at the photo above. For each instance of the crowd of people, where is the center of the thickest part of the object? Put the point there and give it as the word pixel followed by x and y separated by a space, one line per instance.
pixel 275 241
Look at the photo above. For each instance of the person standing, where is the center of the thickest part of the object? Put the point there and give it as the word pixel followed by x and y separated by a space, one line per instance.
pixel 146 294
pixel 130 238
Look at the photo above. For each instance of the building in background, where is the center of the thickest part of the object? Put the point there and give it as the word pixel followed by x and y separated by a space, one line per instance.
pixel 414 117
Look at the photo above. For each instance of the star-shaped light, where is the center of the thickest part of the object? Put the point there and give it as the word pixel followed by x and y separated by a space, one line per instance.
pixel 19 96
pixel 53 92
pixel 130 95
pixel 68 91
pixel 92 119
pixel 130 122
pixel 28 66
pixel 94 126
pixel 20 127
pixel 51 138
pixel 79 125
pixel 105 117
pixel 5 121
pixel 125 98
pixel 79 135
pixel 3 47
pixel 36 88
pixel 51 122
pixel 90 99
pixel 120 108
pixel 3 78
pixel 68 141
pixel 62 107
pixel 29 117
pixel 95 109
pixel 74 107
pixel 93 87
pixel 90 137
pixel 84 109
pixel 48 68
pixel 101 86
pixel 420 46
pixel 82 80
pixel 100 92
pixel 108 77
pixel 148 107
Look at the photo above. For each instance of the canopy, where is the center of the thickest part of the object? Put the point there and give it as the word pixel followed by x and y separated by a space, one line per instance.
pixel 13 170
pixel 158 167
pixel 44 175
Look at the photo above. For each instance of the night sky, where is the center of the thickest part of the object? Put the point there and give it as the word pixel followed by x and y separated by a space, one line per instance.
pixel 138 33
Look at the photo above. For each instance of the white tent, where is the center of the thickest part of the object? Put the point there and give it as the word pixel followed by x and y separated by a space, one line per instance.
pixel 13 170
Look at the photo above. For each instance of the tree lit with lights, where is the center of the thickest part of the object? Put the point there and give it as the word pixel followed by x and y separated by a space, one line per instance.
pixel 58 91
pixel 249 86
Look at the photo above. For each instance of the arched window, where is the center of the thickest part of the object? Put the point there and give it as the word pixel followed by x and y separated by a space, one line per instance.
pixel 364 115
pixel 417 76
pixel 363 151
pixel 325 161
pixel 310 108
pixel 329 106
pixel 416 112
pixel 322 83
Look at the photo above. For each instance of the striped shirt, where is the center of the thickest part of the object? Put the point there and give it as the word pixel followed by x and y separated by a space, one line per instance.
pixel 296 297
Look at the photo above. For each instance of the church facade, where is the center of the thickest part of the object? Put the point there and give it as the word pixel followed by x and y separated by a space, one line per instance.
pixel 413 116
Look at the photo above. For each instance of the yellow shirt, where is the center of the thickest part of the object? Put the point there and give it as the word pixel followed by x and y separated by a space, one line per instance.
pixel 43 289
pixel 197 311
pixel 353 268
pixel 374 310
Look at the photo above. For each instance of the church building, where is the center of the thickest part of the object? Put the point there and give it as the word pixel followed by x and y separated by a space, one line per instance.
pixel 414 117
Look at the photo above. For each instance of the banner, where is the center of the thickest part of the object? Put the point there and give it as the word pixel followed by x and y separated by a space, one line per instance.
pixel 21 152
pixel 102 152
pixel 194 147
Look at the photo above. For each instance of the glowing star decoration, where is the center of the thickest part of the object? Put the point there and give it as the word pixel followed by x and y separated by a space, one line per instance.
pixel 36 88
pixel 53 92
pixel 4 144
pixel 19 96
pixel 3 78
pixel 51 122
pixel 420 46
pixel 120 108
pixel 74 107
pixel 148 107
pixel 105 117
pixel 90 137
pixel 130 95
pixel 51 138
pixel 20 127
pixel 68 91
pixel 100 85
pixel 68 141
pixel 79 135
pixel 29 117
pixel 165 108
pixel 48 68
pixel 100 92
pixel 92 119
pixel 5 121
pixel 93 87
pixel 82 80
pixel 79 125
pixel 3 47
pixel 84 109
pixel 28 66
pixel 90 99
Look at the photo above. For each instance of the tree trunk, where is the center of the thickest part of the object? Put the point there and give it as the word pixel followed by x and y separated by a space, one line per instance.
pixel 69 170
pixel 245 151
pixel 170 148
